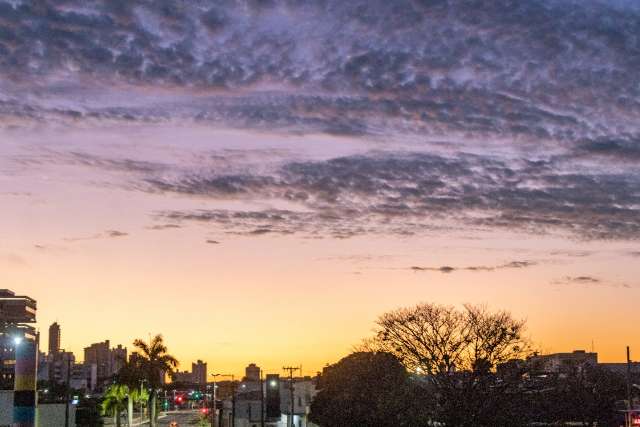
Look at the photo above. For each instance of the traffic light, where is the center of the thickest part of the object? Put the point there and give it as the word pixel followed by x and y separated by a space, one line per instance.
pixel 179 399
pixel 204 411
pixel 272 395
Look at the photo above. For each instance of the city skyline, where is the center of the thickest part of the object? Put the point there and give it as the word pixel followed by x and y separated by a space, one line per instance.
pixel 259 181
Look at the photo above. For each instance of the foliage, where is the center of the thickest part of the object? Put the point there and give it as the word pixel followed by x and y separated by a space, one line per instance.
pixel 366 389
pixel 153 362
pixel 586 394
pixel 115 401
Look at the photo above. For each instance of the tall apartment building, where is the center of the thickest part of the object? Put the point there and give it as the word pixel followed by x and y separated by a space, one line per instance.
pixel 252 373
pixel 199 372
pixel 60 366
pixel 54 338
pixel 108 361
pixel 16 313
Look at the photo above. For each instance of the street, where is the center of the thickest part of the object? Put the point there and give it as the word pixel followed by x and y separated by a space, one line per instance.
pixel 183 418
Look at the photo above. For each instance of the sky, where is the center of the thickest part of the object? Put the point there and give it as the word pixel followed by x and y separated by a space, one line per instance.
pixel 259 180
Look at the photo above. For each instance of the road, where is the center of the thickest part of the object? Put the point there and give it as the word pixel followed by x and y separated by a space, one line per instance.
pixel 184 419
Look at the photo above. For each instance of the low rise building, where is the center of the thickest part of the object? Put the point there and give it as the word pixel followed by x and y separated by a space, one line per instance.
pixel 562 362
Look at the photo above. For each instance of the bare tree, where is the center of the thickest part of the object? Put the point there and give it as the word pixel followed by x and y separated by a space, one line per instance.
pixel 458 351
pixel 427 338
pixel 496 337
pixel 435 339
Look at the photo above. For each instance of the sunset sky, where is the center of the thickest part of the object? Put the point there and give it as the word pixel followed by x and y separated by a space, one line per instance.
pixel 258 180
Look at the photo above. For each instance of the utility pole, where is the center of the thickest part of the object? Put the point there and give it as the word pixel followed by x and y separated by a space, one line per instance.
pixel 214 405
pixel 261 400
pixel 68 391
pixel 629 397
pixel 233 402
pixel 291 369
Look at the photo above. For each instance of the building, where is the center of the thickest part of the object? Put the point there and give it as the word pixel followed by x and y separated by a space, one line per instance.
pixel 19 356
pixel 16 312
pixel 48 414
pixel 83 377
pixel 276 391
pixel 562 362
pixel 621 367
pixel 108 361
pixel 43 367
pixel 184 377
pixel 199 373
pixel 60 366
pixel 119 358
pixel 54 338
pixel 252 373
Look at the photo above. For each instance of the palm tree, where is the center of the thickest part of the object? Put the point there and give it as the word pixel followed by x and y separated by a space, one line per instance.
pixel 114 401
pixel 154 363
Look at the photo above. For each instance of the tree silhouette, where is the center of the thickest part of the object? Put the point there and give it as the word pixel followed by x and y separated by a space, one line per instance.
pixel 457 352
pixel 368 390
pixel 154 362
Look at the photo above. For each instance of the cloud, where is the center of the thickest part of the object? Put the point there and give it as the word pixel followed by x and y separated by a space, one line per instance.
pixel 408 193
pixel 536 105
pixel 164 226
pixel 13 260
pixel 448 269
pixel 583 280
pixel 116 233
pixel 589 281
pixel 110 234
pixel 541 69
pixel 622 149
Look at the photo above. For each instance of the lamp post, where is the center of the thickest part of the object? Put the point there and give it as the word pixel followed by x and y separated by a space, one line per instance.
pixel 261 400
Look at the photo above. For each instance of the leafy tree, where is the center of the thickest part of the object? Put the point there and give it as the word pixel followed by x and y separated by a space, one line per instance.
pixel 114 401
pixel 154 362
pixel 368 390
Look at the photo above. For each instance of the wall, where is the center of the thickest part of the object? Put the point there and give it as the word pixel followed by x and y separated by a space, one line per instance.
pixel 48 415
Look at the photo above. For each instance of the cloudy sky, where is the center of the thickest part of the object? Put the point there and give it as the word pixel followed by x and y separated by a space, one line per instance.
pixel 260 179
